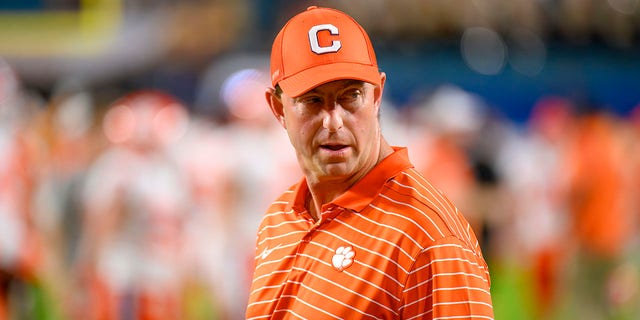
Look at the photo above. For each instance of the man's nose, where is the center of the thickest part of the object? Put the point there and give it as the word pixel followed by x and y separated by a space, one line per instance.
pixel 332 119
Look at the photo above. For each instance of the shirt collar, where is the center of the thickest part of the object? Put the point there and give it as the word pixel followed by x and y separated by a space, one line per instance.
pixel 363 191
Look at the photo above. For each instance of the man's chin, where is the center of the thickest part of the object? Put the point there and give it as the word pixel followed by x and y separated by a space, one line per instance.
pixel 336 170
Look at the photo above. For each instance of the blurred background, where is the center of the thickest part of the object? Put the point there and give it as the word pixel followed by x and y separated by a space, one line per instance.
pixel 137 154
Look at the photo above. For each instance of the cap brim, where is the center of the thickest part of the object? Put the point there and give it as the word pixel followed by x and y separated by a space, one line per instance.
pixel 308 79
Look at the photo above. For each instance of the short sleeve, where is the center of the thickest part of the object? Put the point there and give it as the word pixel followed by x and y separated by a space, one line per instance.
pixel 447 280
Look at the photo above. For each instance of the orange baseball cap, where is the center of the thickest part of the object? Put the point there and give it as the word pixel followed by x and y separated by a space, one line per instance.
pixel 321 45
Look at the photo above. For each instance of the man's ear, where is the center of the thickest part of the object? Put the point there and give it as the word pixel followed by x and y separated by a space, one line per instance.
pixel 379 90
pixel 275 104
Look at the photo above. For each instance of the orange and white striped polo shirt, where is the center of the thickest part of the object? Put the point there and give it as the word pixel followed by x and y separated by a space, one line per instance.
pixel 391 247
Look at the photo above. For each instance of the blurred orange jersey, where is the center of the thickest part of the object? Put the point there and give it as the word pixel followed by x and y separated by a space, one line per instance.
pixel 391 247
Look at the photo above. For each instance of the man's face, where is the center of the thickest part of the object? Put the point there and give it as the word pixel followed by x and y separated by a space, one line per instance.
pixel 334 128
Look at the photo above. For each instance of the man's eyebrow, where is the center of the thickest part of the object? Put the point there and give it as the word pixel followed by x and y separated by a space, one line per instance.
pixel 353 83
pixel 346 84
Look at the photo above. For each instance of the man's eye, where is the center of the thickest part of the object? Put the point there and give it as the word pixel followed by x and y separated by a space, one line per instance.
pixel 351 95
pixel 311 100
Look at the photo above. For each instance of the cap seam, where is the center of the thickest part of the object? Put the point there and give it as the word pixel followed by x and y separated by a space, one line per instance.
pixel 370 50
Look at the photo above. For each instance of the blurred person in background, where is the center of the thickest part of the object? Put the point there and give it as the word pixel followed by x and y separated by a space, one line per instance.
pixel 229 182
pixel 22 248
pixel 257 179
pixel 601 218
pixel 444 127
pixel 131 259
pixel 623 282
pixel 69 142
pixel 363 234
pixel 205 159
pixel 531 241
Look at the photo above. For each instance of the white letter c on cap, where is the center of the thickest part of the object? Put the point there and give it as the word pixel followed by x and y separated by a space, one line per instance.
pixel 313 39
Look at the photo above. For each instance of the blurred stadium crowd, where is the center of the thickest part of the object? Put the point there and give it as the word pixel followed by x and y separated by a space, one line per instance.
pixel 131 185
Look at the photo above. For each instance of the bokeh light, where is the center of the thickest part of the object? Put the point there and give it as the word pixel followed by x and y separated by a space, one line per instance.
pixel 483 50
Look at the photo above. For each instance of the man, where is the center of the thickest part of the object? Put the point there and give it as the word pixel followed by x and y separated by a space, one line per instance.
pixel 362 235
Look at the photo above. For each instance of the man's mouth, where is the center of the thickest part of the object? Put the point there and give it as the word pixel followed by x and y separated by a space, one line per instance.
pixel 333 147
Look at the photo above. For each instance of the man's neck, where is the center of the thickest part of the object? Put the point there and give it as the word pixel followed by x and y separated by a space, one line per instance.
pixel 325 191
pixel 321 195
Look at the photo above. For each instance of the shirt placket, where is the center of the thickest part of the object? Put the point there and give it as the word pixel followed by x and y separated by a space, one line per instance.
pixel 328 214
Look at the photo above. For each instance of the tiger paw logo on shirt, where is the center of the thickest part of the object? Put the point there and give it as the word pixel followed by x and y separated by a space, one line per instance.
pixel 343 258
